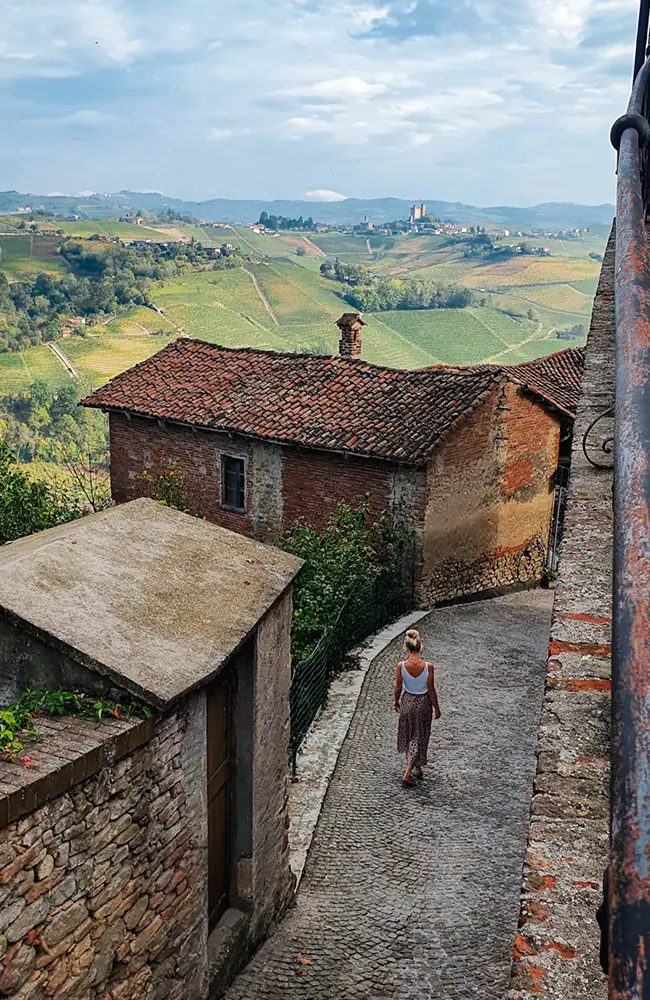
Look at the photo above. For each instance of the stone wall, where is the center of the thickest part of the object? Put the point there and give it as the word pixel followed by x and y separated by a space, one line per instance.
pixel 103 887
pixel 104 841
pixel 556 950
pixel 490 499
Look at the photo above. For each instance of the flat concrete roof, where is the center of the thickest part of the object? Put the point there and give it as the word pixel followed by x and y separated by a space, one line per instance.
pixel 151 597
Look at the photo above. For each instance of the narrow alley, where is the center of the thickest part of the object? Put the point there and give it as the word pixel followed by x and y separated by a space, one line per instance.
pixel 414 893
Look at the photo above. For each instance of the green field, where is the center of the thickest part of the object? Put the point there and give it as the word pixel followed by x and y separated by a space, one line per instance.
pixel 122 230
pixel 25 255
pixel 279 301
pixel 138 320
pixel 18 370
pixel 98 359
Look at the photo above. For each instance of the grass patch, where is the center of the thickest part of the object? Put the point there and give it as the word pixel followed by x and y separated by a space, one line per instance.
pixel 99 359
pixel 453 336
pixel 139 320
pixel 19 369
pixel 532 271
pixel 220 306
pixel 563 297
pixel 24 256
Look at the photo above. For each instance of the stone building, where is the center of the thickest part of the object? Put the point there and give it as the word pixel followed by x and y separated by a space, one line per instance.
pixel 142 859
pixel 262 439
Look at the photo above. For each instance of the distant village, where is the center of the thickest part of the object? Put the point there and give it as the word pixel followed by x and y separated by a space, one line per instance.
pixel 419 222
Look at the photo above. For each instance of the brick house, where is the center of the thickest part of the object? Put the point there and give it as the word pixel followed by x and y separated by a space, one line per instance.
pixel 262 439
pixel 144 857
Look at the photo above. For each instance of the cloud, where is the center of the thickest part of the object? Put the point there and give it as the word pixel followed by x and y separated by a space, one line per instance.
pixel 474 100
pixel 322 194
pixel 219 134
pixel 344 87
pixel 109 28
pixel 86 116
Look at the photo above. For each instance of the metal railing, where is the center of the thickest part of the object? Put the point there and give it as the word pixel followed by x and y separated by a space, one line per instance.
pixel 629 873
pixel 371 607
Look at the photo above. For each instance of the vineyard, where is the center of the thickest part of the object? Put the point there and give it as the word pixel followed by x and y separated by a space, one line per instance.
pixel 280 301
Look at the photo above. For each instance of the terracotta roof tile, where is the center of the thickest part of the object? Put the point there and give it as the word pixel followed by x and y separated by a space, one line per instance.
pixel 335 403
pixel 557 378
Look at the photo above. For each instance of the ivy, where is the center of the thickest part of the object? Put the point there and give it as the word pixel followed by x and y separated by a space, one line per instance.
pixel 17 719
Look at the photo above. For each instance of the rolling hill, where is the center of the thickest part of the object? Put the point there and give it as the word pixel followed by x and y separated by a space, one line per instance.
pixel 349 211
pixel 280 301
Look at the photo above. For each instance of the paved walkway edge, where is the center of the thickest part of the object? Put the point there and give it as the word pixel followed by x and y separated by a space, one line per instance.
pixel 322 744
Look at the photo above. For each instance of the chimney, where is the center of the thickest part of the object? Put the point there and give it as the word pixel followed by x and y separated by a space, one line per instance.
pixel 350 343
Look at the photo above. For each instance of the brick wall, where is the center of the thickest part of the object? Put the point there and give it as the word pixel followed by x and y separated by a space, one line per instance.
pixel 490 499
pixel 481 509
pixel 140 446
pixel 556 949
pixel 282 484
pixel 313 483
pixel 103 888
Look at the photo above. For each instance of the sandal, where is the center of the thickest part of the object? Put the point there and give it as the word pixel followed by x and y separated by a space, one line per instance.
pixel 408 783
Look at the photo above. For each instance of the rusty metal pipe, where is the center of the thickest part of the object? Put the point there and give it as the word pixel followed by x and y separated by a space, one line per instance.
pixel 629 898
pixel 642 36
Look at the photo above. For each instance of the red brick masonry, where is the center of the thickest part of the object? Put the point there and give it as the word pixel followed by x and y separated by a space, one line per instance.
pixel 556 949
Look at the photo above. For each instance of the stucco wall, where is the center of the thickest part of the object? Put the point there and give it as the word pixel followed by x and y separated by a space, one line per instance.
pixel 272 879
pixel 28 662
pixel 490 499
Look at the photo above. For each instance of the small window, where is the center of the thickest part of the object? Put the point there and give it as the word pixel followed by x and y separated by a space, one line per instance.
pixel 233 483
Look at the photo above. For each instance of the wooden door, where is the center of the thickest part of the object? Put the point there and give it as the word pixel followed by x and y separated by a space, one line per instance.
pixel 219 742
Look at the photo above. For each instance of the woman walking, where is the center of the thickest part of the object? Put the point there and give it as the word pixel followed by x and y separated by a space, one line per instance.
pixel 415 700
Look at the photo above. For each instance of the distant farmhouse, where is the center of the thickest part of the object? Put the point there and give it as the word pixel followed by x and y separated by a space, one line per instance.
pixel 263 439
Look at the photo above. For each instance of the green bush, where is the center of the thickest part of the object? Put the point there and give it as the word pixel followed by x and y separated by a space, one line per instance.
pixel 26 507
pixel 342 561
pixel 167 489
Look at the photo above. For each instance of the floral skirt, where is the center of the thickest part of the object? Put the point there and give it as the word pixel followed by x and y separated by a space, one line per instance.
pixel 414 728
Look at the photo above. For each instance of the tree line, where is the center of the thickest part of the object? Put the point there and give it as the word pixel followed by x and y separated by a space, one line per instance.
pixel 281 222
pixel 367 293
pixel 101 280
pixel 481 244
pixel 45 424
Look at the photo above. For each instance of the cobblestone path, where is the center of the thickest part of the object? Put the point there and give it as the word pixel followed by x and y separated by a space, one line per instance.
pixel 415 892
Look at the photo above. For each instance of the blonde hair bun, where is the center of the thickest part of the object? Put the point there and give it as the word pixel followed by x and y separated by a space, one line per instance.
pixel 412 642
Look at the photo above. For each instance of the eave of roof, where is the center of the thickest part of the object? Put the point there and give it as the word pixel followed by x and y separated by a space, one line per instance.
pixel 403 434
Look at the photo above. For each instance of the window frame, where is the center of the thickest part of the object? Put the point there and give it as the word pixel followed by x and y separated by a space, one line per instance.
pixel 224 458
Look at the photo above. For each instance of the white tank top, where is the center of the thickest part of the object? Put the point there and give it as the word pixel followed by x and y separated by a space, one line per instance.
pixel 415 685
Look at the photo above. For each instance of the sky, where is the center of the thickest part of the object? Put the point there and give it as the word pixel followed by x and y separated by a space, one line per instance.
pixel 482 101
